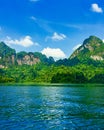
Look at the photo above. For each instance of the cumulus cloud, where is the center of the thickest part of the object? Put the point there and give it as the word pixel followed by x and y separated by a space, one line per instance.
pixel 25 42
pixel 56 37
pixel 95 8
pixel 76 47
pixel 56 53
pixel 103 40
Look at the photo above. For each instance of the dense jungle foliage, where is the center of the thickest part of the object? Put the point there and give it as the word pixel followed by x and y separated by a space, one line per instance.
pixel 41 73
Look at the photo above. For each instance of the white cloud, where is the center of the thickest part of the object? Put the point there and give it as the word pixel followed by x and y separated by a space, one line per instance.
pixel 56 37
pixel 34 0
pixel 95 8
pixel 56 53
pixel 33 18
pixel 25 42
pixel 76 47
pixel 103 40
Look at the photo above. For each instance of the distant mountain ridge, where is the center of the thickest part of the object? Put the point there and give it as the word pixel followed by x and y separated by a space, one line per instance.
pixel 9 57
pixel 90 52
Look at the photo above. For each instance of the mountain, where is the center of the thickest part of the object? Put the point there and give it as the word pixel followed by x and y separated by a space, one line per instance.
pixel 90 52
pixel 9 57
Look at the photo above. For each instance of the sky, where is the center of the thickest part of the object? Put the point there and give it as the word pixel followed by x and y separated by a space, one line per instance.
pixel 53 27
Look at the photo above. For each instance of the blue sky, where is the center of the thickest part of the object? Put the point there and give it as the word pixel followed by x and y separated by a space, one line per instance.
pixel 53 27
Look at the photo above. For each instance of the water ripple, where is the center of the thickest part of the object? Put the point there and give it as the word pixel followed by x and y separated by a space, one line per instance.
pixel 51 108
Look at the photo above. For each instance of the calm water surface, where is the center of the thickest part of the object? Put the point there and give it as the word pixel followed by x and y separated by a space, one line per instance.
pixel 51 108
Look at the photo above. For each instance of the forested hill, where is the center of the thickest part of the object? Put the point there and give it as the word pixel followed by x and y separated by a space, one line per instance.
pixel 90 52
pixel 85 65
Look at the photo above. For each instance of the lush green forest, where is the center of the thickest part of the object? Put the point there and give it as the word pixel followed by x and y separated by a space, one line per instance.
pixel 41 73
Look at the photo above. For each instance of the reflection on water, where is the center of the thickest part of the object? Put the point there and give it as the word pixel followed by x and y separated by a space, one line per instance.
pixel 51 108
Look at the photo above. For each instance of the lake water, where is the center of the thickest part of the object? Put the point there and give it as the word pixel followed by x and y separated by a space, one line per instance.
pixel 68 107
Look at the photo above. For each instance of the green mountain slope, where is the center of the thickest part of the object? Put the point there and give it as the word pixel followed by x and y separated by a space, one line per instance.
pixel 5 50
pixel 7 55
pixel 90 52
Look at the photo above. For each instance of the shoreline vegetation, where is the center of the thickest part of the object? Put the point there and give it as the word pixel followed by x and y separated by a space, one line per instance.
pixel 52 74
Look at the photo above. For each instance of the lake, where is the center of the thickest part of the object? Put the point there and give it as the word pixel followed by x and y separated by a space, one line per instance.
pixel 68 107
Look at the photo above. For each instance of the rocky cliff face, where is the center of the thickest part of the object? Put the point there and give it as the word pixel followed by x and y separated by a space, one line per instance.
pixel 92 50
pixel 28 60
pixel 9 57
